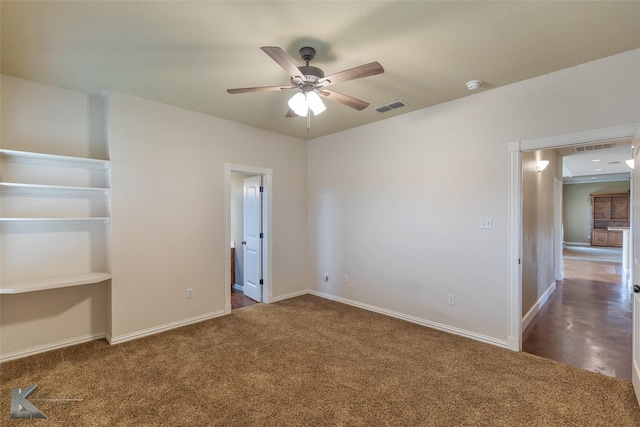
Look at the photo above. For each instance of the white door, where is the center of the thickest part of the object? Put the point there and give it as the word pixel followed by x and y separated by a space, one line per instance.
pixel 635 271
pixel 252 243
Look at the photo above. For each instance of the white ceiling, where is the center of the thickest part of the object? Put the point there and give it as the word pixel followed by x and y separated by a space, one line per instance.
pixel 597 161
pixel 188 53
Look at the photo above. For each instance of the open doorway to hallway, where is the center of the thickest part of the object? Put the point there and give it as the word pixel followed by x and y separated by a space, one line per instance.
pixel 585 317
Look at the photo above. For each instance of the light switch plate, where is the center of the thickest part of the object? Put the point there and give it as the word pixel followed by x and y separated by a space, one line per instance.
pixel 486 223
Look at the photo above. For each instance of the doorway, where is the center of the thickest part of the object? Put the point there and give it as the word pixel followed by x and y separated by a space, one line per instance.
pixel 248 268
pixel 516 149
pixel 585 318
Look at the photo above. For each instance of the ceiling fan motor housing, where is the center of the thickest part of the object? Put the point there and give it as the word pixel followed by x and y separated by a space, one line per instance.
pixel 311 74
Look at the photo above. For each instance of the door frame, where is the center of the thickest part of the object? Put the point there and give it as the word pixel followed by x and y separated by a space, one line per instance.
pixel 515 149
pixel 267 179
pixel 558 234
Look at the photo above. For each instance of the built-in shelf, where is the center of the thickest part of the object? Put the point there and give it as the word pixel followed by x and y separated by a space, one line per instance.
pixel 52 197
pixel 98 191
pixel 41 284
pixel 52 159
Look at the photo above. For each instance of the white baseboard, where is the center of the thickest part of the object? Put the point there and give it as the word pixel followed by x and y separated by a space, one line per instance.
pixel 514 343
pixel 238 287
pixel 288 296
pixel 51 346
pixel 419 321
pixel 162 328
pixel 576 244
pixel 635 379
pixel 537 306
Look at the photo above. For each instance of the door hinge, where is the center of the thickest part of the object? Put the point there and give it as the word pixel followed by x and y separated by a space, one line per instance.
pixel 261 189
pixel 262 235
pixel 518 261
pixel 261 282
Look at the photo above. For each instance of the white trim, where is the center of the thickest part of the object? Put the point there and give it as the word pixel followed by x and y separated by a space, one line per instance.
pixel 576 244
pixel 417 320
pixel 52 346
pixel 267 245
pixel 291 295
pixel 238 287
pixel 635 379
pixel 162 328
pixel 514 291
pixel 537 306
pixel 615 132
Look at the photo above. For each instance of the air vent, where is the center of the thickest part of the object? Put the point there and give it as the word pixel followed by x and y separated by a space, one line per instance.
pixel 391 106
pixel 595 147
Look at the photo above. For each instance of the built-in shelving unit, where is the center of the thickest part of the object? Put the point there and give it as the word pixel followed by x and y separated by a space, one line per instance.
pixel 54 216
pixel 44 283
pixel 609 214
pixel 54 159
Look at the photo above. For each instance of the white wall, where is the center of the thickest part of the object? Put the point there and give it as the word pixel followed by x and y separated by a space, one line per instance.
pixel 168 229
pixel 396 205
pixel 45 119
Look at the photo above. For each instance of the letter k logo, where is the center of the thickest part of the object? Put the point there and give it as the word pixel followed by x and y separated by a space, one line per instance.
pixel 21 407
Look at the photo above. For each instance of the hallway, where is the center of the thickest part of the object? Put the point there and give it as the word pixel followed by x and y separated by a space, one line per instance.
pixel 586 323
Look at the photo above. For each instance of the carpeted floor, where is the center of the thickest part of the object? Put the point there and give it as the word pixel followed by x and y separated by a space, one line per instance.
pixel 308 361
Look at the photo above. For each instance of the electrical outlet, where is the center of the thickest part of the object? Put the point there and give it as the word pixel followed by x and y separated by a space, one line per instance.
pixel 325 276
pixel 486 223
pixel 451 299
pixel 345 279
pixel 189 293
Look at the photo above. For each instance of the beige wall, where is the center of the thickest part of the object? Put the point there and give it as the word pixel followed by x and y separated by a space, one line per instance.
pixel 537 225
pixel 168 229
pixel 397 204
pixel 168 219
pixel 45 119
pixel 577 207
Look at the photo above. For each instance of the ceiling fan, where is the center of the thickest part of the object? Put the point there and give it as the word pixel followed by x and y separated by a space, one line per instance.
pixel 312 83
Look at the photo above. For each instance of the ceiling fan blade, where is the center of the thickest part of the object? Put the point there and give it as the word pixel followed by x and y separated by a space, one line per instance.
pixel 283 60
pixel 260 89
pixel 347 100
pixel 366 70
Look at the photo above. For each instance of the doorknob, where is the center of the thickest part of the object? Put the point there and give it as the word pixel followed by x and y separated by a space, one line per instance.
pixel 244 242
pixel 636 289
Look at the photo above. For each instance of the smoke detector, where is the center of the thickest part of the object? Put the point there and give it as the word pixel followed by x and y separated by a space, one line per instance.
pixel 473 84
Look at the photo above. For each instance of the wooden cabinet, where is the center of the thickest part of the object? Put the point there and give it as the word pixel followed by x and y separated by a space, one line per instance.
pixel 608 211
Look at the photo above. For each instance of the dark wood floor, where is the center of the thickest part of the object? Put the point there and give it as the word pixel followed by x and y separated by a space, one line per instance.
pixel 239 300
pixel 586 323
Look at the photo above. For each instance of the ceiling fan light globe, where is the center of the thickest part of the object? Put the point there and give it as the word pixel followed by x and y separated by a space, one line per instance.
pixel 298 104
pixel 315 103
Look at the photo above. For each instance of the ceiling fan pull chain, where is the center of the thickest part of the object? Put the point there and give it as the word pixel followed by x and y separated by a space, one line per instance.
pixel 308 119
